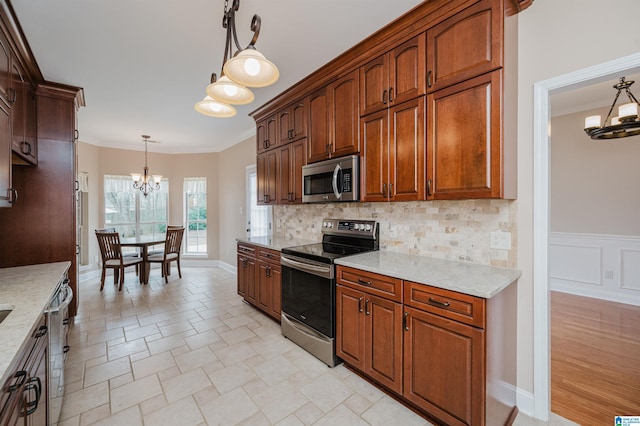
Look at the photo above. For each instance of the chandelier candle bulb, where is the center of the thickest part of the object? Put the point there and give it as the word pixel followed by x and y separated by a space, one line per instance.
pixel 229 92
pixel 592 122
pixel 212 108
pixel 628 111
pixel 615 121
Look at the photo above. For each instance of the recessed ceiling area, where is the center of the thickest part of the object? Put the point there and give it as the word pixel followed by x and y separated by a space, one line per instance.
pixel 144 64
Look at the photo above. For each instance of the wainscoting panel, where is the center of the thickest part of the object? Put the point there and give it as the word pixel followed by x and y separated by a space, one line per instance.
pixel 601 266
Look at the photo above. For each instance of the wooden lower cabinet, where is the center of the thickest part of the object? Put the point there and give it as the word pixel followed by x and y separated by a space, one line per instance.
pixel 444 369
pixel 450 356
pixel 369 335
pixel 260 278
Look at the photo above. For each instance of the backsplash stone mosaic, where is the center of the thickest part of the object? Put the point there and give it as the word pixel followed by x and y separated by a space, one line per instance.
pixel 454 230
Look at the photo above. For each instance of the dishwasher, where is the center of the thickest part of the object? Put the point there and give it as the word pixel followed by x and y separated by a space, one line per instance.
pixel 58 320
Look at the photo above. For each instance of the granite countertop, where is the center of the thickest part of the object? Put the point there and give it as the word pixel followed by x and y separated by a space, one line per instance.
pixel 274 242
pixel 475 280
pixel 28 289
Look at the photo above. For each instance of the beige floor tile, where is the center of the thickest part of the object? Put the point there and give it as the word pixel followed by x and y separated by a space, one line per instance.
pixel 120 380
pixel 184 413
pixel 279 401
pixel 275 370
pixel 104 336
pixel 230 355
pixel 106 371
pixel 153 404
pixel 186 384
pixel 232 377
pixel 357 403
pixel 128 417
pixel 126 348
pixel 309 413
pixel 387 411
pixel 94 415
pixel 327 392
pixel 237 335
pixel 140 332
pixel 152 365
pixel 202 339
pixel 85 399
pixel 195 358
pixel 165 344
pixel 258 419
pixel 206 395
pixel 229 409
pixel 207 324
pixel 134 393
pixel 175 328
pixel 342 416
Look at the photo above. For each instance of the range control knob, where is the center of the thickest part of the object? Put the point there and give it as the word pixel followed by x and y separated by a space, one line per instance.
pixel 367 227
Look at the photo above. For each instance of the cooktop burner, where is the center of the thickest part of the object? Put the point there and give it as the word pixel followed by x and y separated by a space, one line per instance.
pixel 340 238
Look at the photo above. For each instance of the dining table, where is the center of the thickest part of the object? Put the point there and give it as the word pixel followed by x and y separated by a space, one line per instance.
pixel 143 243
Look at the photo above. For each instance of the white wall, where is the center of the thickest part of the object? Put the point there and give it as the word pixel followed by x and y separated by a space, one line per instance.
pixel 556 37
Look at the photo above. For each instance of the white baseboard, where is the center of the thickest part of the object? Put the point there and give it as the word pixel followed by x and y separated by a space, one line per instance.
pixel 89 274
pixel 525 402
pixel 600 266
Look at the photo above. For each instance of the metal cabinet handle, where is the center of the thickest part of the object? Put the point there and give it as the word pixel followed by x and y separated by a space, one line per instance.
pixel 439 303
pixel 384 190
pixel 11 91
pixel 429 187
pixel 390 94
pixel 405 323
pixel 366 307
pixel 76 135
pixel 12 195
pixel 429 75
pixel 384 96
pixel 390 193
pixel 65 349
pixel 26 144
pixel 363 282
pixel 31 406
pixel 21 376
pixel 41 332
pixel 360 304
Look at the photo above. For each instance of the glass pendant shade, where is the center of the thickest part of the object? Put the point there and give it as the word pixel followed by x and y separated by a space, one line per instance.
pixel 212 108
pixel 250 68
pixel 229 92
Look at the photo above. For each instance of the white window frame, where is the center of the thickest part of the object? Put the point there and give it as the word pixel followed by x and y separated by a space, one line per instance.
pixel 259 218
pixel 188 222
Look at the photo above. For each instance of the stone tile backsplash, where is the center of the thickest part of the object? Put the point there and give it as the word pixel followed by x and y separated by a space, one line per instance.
pixel 454 230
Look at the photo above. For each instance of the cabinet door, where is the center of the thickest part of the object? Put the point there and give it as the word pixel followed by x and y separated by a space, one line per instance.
pixel 275 276
pixel 374 168
pixel 466 45
pixel 267 174
pixel 284 174
pixel 374 85
pixel 261 136
pixel 284 126
pixel 318 127
pixel 264 295
pixel 298 159
pixel 246 273
pixel 464 140
pixel 299 118
pixel 383 341
pixel 343 112
pixel 350 338
pixel 407 71
pixel 6 195
pixel 407 151
pixel 250 278
pixel 5 69
pixel 444 368
pixel 23 120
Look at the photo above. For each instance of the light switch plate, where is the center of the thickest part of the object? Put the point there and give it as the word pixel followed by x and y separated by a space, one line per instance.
pixel 501 240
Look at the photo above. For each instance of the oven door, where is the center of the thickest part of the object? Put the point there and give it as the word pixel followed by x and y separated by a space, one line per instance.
pixel 308 293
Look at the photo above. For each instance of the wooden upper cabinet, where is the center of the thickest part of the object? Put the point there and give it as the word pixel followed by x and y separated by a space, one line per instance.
pixel 23 114
pixel 466 45
pixel 267 165
pixel 464 140
pixel 393 78
pixel 318 127
pixel 292 122
pixel 5 72
pixel 267 134
pixel 292 158
pixel 342 97
pixel 393 153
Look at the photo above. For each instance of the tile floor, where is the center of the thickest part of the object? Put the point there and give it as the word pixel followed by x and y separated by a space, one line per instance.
pixel 192 353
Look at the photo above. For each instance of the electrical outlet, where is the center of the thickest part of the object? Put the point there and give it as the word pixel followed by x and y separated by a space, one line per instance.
pixel 501 240
pixel 608 274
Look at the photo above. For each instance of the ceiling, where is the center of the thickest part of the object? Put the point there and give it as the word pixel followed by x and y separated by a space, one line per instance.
pixel 143 64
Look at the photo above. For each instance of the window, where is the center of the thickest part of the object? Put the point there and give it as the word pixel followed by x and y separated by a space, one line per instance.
pixel 258 217
pixel 195 207
pixel 130 212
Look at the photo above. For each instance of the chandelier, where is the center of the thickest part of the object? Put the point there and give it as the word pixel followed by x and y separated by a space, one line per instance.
pixel 143 181
pixel 246 68
pixel 625 124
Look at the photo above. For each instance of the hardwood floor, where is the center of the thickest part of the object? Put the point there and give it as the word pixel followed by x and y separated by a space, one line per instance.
pixel 595 359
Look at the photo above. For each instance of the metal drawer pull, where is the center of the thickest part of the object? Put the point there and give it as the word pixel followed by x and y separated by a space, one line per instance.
pixel 405 324
pixel 363 282
pixel 21 376
pixel 360 304
pixel 366 307
pixel 437 302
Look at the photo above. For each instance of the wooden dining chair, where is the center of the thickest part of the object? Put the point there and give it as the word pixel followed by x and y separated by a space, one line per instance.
pixel 112 257
pixel 171 253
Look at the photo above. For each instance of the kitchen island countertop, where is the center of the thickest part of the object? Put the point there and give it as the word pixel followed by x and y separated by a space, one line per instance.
pixel 28 289
pixel 274 242
pixel 468 278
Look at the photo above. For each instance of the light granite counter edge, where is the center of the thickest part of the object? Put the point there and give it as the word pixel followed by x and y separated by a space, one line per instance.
pixel 274 242
pixel 29 290
pixel 472 279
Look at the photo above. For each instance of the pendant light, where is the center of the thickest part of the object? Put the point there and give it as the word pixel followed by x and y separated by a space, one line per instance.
pixel 247 68
pixel 143 181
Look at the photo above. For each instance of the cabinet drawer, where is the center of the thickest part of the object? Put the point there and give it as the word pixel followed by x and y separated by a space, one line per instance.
pixel 449 304
pixel 379 285
pixel 269 255
pixel 246 249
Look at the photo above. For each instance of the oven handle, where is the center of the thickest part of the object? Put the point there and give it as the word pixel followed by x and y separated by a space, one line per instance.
pixel 321 271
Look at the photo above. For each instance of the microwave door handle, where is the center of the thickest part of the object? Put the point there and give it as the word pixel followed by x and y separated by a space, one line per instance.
pixel 334 182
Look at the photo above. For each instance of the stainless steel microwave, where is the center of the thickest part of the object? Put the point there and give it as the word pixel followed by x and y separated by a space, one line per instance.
pixel 336 179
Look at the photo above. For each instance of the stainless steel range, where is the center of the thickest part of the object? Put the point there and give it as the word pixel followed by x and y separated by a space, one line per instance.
pixel 309 286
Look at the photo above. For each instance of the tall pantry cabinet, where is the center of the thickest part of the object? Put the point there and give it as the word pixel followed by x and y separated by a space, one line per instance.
pixel 39 225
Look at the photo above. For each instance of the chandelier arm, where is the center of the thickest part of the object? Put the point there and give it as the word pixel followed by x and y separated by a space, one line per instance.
pixel 255 27
pixel 235 34
pixel 631 97
pixel 612 105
